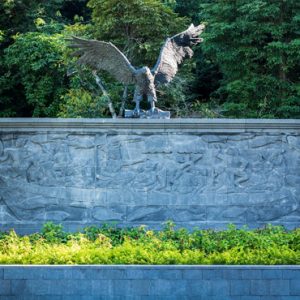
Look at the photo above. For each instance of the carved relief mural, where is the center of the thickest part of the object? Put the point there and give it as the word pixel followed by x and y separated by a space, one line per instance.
pixel 201 180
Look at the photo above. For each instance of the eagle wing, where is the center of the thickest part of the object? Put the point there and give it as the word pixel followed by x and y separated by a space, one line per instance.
pixel 104 56
pixel 174 51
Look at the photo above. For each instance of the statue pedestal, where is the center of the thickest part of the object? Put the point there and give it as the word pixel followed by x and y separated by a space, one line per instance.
pixel 147 114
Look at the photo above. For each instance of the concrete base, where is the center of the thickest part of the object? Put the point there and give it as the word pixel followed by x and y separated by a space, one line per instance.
pixel 148 114
pixel 150 282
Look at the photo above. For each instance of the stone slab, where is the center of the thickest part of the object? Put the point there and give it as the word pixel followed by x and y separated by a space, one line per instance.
pixel 149 282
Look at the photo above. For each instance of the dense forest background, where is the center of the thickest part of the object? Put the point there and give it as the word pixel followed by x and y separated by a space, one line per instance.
pixel 247 67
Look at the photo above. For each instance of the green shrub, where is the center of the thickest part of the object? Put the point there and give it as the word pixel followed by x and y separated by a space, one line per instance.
pixel 113 245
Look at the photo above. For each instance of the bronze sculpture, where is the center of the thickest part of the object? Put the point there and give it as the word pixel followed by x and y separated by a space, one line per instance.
pixel 101 55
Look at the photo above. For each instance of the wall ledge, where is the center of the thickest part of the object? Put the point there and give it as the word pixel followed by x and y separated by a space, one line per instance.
pixel 95 125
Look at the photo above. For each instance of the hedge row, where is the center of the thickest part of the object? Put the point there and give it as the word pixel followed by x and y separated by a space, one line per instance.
pixel 112 245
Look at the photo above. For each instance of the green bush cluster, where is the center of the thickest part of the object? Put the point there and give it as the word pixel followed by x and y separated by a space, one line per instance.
pixel 113 245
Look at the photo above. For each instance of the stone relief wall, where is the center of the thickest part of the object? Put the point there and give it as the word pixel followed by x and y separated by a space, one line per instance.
pixel 193 178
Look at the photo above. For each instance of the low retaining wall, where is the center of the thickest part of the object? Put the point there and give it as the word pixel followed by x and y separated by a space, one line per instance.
pixel 150 282
pixel 197 172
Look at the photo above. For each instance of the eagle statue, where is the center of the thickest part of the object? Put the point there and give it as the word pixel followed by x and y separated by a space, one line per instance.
pixel 101 55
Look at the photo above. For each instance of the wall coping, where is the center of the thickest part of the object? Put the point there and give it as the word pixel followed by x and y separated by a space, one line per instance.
pixel 96 125
pixel 177 267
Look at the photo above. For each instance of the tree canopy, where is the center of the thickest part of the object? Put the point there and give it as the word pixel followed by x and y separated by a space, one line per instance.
pixel 257 47
pixel 248 65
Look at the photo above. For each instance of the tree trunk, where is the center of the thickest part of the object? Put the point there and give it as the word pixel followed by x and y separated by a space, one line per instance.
pixel 109 102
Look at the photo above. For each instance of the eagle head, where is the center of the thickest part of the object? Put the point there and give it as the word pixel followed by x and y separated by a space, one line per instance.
pixel 190 37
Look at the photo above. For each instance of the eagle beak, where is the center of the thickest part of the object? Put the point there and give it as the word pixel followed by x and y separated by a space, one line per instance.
pixel 195 41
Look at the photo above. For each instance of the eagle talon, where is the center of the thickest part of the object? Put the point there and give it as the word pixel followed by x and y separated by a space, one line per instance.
pixel 154 110
pixel 136 113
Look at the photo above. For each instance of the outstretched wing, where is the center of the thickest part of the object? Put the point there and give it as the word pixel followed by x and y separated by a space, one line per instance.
pixel 174 51
pixel 104 56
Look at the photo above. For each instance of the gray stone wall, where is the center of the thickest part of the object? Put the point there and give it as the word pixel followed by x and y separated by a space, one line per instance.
pixel 204 173
pixel 149 282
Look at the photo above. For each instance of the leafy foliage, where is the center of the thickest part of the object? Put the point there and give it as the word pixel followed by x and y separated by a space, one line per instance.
pixel 248 65
pixel 256 46
pixel 114 245
pixel 137 27
pixel 36 71
pixel 20 16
